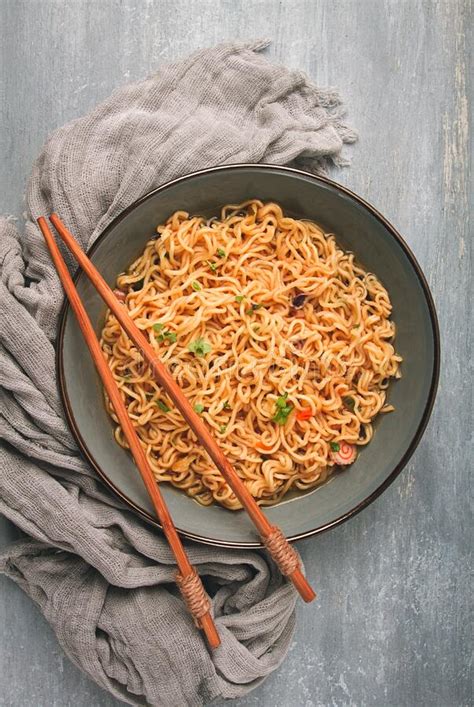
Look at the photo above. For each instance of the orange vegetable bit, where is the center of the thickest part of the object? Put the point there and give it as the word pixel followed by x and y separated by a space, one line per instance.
pixel 304 414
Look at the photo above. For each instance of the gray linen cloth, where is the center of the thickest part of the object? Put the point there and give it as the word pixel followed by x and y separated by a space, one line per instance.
pixel 101 577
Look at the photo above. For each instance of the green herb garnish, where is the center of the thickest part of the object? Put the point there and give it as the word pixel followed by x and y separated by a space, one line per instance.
pixel 138 285
pixel 221 253
pixel 253 308
pixel 212 265
pixel 283 409
pixel 164 335
pixel 226 405
pixel 163 406
pixel 349 402
pixel 334 446
pixel 281 400
pixel 239 298
pixel 196 286
pixel 200 347
pixel 199 408
pixel 222 429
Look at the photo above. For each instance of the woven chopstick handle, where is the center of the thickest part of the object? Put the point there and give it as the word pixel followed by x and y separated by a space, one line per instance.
pixel 194 595
pixel 280 549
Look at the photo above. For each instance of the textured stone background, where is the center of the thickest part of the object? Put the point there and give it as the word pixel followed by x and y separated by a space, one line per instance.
pixel 391 626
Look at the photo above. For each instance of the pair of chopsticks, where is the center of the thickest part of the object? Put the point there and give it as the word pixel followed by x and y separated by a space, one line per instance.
pixel 187 578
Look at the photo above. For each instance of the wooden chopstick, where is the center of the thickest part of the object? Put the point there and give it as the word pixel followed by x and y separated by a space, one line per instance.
pixel 282 552
pixel 188 580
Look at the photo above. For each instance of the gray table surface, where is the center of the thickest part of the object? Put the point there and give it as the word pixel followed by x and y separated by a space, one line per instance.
pixel 391 626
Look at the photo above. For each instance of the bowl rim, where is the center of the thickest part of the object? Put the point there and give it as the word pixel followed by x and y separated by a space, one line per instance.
pixel 216 542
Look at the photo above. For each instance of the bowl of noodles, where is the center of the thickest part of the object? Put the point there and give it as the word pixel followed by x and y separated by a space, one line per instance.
pixel 298 324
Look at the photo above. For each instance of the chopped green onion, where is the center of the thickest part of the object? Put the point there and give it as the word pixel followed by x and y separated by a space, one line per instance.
pixel 138 285
pixel 163 406
pixel 221 253
pixel 239 298
pixel 158 326
pixel 200 347
pixel 196 286
pixel 222 429
pixel 212 265
pixel 283 409
pixel 334 446
pixel 349 402
pixel 199 408
pixel 226 405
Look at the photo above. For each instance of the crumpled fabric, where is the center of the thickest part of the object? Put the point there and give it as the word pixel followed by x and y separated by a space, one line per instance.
pixel 102 577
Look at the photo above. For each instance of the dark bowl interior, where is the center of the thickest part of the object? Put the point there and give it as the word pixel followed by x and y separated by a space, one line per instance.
pixel 359 228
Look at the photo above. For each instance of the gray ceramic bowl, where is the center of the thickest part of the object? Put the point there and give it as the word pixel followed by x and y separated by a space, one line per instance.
pixel 377 246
